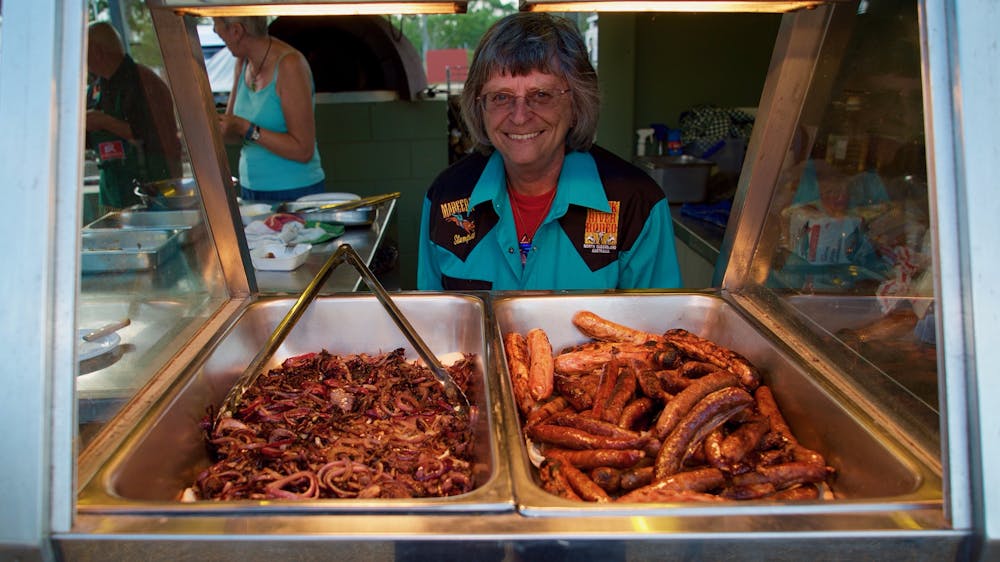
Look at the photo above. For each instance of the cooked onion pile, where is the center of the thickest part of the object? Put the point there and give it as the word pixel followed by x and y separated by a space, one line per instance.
pixel 637 417
pixel 352 426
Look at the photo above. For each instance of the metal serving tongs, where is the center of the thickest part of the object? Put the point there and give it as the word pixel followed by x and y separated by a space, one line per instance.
pixel 345 205
pixel 344 252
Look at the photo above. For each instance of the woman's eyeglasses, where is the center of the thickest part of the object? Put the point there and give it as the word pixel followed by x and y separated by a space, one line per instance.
pixel 539 99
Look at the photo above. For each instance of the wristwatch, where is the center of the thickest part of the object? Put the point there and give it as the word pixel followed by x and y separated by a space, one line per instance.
pixel 253 133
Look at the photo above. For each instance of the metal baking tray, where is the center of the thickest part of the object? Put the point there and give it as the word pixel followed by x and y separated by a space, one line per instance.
pixel 189 224
pixel 875 471
pixel 166 450
pixel 127 250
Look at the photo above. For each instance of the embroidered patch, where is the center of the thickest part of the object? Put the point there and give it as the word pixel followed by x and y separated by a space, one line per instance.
pixel 457 213
pixel 601 230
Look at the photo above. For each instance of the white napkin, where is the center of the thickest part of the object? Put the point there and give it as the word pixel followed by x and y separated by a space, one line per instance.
pixel 259 234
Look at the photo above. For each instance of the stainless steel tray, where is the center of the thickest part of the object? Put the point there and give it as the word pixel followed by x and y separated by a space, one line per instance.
pixel 189 224
pixel 874 469
pixel 167 450
pixel 127 250
pixel 356 217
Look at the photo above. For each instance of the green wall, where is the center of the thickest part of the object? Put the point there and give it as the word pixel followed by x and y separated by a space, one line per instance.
pixel 676 61
pixel 380 147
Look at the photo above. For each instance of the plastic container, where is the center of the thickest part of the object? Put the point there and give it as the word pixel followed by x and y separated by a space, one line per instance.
pixel 278 257
pixel 683 178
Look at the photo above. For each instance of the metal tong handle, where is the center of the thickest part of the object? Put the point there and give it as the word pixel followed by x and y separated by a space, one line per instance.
pixel 355 204
pixel 460 403
pixel 345 251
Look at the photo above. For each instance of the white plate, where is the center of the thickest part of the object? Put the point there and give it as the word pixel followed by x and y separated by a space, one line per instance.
pixel 90 349
pixel 331 197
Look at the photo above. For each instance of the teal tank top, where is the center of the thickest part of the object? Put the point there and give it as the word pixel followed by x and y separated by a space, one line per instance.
pixel 261 169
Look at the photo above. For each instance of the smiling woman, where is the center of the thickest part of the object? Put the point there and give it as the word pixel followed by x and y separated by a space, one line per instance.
pixel 539 206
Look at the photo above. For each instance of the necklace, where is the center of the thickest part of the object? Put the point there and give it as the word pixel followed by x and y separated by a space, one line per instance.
pixel 255 73
pixel 527 231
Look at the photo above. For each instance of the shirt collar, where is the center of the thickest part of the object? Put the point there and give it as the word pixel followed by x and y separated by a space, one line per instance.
pixel 579 184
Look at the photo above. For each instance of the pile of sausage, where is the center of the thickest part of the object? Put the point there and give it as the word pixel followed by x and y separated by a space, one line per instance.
pixel 638 417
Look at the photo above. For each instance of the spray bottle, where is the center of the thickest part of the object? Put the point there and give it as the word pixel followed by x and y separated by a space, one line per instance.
pixel 645 136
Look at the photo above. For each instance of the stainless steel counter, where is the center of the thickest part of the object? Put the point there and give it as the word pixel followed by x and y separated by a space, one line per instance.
pixel 364 239
pixel 703 237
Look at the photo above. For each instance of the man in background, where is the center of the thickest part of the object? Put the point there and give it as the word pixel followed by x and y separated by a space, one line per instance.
pixel 130 120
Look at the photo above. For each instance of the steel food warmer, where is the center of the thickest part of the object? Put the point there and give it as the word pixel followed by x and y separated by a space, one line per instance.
pixel 868 373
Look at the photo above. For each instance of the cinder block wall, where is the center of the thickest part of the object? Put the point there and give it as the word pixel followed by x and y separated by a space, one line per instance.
pixel 371 148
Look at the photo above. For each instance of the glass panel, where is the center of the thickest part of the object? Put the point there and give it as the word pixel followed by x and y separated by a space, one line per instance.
pixel 147 254
pixel 847 240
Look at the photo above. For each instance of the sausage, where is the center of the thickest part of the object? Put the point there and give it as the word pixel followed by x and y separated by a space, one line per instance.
pixel 540 366
pixel 749 491
pixel 783 475
pixel 652 386
pixel 713 449
pixel 672 381
pixel 516 349
pixel 598 328
pixel 709 413
pixel 636 477
pixel 743 439
pixel 594 356
pixel 623 392
pixel 609 479
pixel 547 410
pixel 687 398
pixel 769 408
pixel 581 483
pixel 554 481
pixel 693 481
pixel 634 412
pixel 578 389
pixel 572 438
pixel 608 380
pixel 591 425
pixel 708 351
pixel 590 459
pixel 797 493
pixel 793 473
pixel 695 369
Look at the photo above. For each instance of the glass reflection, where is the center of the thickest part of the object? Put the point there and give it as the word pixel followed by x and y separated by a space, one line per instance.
pixel 147 255
pixel 850 223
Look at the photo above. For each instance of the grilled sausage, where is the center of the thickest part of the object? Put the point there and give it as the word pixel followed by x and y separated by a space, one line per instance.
pixel 515 347
pixel 591 459
pixel 599 328
pixel 540 370
pixel 686 399
pixel 572 438
pixel 708 351
pixel 709 413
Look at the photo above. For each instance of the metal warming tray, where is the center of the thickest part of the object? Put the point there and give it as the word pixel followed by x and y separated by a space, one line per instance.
pixel 189 223
pixel 355 217
pixel 166 450
pixel 127 250
pixel 875 471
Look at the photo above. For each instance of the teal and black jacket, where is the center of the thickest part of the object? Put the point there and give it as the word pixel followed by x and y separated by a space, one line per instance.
pixel 609 227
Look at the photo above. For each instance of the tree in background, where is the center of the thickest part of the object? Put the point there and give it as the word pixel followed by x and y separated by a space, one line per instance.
pixel 453 31
pixel 138 31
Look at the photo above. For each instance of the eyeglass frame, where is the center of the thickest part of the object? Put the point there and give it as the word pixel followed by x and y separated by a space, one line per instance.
pixel 556 95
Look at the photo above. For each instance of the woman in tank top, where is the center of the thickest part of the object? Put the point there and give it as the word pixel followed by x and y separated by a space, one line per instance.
pixel 270 111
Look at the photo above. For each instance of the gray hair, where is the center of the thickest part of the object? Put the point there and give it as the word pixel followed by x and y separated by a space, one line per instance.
pixel 256 26
pixel 524 42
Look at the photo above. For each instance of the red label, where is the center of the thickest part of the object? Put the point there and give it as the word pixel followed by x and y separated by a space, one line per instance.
pixel 111 150
pixel 814 231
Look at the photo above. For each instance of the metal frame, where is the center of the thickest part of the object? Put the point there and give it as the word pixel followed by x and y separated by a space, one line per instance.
pixel 43 47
